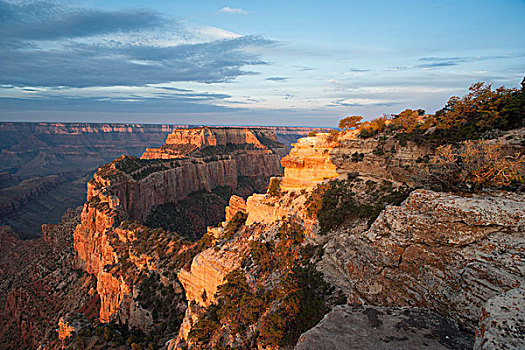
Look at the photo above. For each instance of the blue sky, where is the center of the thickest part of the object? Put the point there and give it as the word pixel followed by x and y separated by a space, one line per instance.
pixel 250 62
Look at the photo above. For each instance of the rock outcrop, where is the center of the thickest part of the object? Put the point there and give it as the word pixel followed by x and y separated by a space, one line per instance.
pixel 70 324
pixel 327 156
pixel 502 322
pixel 129 188
pixel 255 151
pixel 310 162
pixel 39 284
pixel 207 272
pixel 448 253
pixel 181 141
pixel 373 327
pixel 236 204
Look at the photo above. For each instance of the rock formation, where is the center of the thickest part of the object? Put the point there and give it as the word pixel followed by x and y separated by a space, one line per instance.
pixel 207 272
pixel 129 188
pixel 46 166
pixel 501 322
pixel 236 204
pixel 372 327
pixel 445 252
pixel 310 162
pixel 70 324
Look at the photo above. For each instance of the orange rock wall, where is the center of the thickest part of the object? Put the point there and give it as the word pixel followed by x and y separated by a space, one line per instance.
pixel 309 162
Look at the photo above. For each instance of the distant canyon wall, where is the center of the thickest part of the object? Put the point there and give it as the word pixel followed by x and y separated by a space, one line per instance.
pixel 37 151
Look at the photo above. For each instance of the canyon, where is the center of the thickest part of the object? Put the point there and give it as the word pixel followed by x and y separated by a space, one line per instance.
pixel 44 167
pixel 127 189
pixel 339 245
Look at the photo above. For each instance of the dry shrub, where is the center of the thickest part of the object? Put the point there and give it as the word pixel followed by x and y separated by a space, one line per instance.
pixel 473 165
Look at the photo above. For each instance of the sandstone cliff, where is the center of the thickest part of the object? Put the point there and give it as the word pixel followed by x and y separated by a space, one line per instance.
pixel 128 189
pixel 246 146
pixel 327 156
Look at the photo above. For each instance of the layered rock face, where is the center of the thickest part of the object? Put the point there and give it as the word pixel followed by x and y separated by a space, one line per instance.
pixel 310 162
pixel 203 137
pixel 445 252
pixel 327 156
pixel 51 148
pixel 129 188
pixel 207 272
pixel 14 197
pixel 246 146
pixel 137 197
pixel 236 204
pixel 109 205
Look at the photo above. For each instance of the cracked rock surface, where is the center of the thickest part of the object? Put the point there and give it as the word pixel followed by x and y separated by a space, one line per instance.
pixel 445 252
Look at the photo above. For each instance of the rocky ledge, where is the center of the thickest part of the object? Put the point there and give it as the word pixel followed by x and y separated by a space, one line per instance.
pixel 373 327
pixel 449 253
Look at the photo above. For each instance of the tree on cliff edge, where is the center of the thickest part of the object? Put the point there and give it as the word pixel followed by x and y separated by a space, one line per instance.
pixel 350 122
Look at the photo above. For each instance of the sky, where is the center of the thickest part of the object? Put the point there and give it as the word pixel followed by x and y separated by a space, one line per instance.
pixel 303 63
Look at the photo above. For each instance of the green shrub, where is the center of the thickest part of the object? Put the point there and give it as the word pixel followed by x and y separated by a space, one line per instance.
pixel 274 188
pixel 291 231
pixel 262 254
pixel 357 157
pixel 301 306
pixel 236 222
pixel 339 205
pixel 379 151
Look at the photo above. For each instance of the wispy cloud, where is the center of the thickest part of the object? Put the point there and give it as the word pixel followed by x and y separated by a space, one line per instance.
pixel 228 9
pixel 81 65
pixel 437 62
pixel 278 79
pixel 46 20
pixel 126 104
pixel 360 102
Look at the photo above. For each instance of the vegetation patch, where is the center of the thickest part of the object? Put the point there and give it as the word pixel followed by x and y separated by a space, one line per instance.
pixel 274 188
pixel 335 203
pixel 471 166
pixel 236 222
pixel 191 216
pixel 255 313
pixel 163 303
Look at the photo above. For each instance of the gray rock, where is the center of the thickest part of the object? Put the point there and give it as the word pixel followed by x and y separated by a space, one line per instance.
pixel 349 327
pixel 502 322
